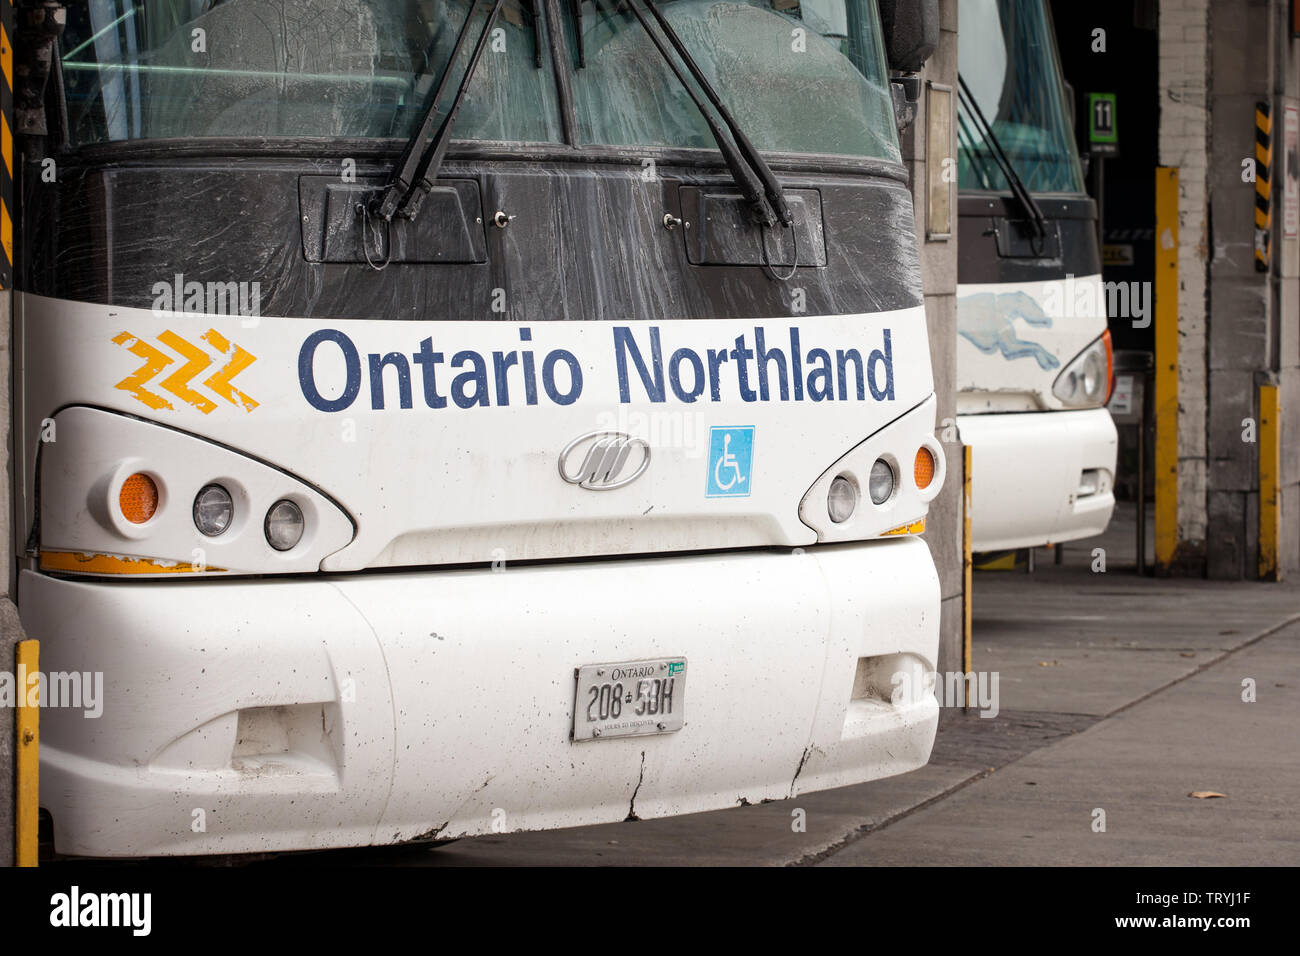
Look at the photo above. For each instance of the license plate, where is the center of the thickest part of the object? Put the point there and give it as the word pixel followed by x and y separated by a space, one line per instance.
pixel 629 699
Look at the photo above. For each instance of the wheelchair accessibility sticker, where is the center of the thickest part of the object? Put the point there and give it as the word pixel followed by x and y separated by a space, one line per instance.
pixel 731 459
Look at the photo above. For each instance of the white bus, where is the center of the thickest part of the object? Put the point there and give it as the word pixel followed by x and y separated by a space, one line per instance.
pixel 1034 362
pixel 404 486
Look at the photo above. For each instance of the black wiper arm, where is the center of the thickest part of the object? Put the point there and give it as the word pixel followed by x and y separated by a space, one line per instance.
pixel 413 174
pixel 741 172
pixel 771 186
pixel 535 11
pixel 1018 188
pixel 576 6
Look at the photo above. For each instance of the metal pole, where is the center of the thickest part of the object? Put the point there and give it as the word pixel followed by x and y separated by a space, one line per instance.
pixel 1142 479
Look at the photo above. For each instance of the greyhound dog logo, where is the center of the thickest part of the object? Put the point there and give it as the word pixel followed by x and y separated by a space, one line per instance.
pixel 987 321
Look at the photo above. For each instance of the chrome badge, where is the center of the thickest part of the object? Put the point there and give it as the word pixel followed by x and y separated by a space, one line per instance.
pixel 604 463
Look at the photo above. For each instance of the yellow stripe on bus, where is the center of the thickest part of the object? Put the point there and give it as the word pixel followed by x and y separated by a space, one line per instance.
pixel 115 564
pixel 916 527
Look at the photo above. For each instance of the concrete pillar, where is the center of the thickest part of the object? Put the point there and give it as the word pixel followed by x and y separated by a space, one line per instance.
pixel 1284 290
pixel 939 280
pixel 1253 337
pixel 10 633
pixel 1184 47
pixel 1240 326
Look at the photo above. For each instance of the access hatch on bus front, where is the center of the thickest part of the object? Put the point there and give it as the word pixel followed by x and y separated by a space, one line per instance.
pixel 722 233
pixel 336 228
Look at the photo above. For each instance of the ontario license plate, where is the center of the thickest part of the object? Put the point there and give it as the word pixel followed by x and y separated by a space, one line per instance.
pixel 630 699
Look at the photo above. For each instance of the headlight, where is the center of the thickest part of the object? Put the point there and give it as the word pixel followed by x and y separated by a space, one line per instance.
pixel 1085 383
pixel 842 499
pixel 213 510
pixel 881 485
pixel 284 525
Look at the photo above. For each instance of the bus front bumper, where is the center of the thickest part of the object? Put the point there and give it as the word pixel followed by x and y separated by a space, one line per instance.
pixel 1028 473
pixel 309 712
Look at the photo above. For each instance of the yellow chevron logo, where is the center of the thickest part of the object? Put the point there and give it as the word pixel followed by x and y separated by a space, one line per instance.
pixel 196 360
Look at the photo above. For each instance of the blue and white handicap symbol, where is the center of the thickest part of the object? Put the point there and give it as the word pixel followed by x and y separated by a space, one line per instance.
pixel 731 459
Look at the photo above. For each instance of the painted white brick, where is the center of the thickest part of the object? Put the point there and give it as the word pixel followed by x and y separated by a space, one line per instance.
pixel 1184 142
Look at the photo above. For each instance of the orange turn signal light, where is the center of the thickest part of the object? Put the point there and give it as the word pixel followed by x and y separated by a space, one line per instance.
pixel 138 498
pixel 923 468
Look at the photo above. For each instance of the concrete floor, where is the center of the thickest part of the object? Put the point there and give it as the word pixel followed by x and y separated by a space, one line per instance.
pixel 1117 693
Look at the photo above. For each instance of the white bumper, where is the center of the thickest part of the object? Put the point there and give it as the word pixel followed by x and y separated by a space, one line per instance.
pixel 243 716
pixel 1025 474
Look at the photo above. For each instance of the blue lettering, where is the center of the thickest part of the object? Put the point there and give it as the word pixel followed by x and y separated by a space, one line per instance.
pixel 762 356
pixel 477 376
pixel 886 358
pixel 625 344
pixel 843 358
pixel 377 365
pixel 427 358
pixel 716 359
pixel 501 364
pixel 742 355
pixel 675 370
pixel 796 365
pixel 575 377
pixel 307 372
pixel 825 392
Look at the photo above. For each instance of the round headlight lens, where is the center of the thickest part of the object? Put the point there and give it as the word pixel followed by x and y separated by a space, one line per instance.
pixel 213 510
pixel 842 499
pixel 284 525
pixel 881 485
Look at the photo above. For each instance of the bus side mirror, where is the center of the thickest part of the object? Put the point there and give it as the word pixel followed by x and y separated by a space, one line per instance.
pixel 911 32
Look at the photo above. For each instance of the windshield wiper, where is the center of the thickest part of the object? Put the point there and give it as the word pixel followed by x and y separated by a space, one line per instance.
pixel 576 6
pixel 771 187
pixel 1018 188
pixel 535 11
pixel 414 172
pixel 767 207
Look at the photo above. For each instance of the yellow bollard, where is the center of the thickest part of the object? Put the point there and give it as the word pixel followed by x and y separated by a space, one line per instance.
pixel 1270 482
pixel 27 809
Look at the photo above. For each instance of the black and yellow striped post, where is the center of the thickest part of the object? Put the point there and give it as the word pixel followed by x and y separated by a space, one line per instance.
pixel 8 24
pixel 1263 185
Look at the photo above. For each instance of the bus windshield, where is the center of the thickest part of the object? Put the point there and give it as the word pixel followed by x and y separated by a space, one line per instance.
pixel 804 76
pixel 801 76
pixel 1008 60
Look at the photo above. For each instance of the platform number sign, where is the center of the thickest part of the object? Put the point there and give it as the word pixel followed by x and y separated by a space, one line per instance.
pixel 1103 130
